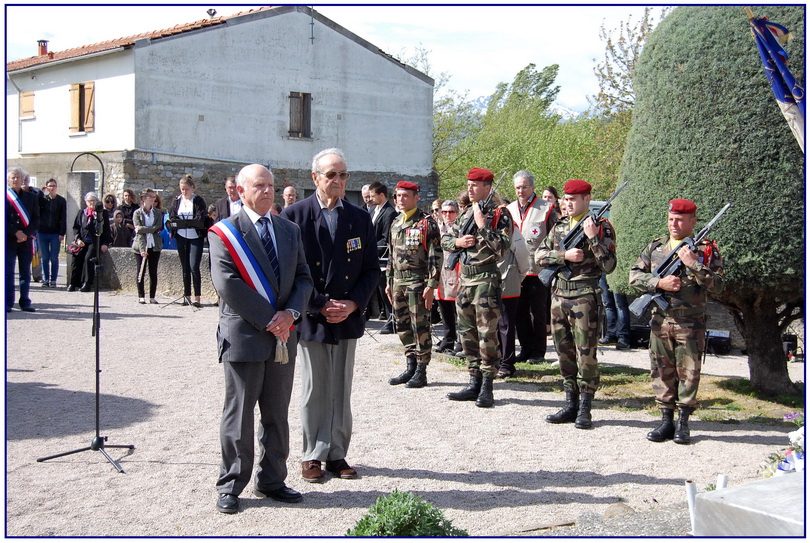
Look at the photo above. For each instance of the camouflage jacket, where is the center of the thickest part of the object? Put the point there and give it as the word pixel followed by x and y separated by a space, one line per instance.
pixel 706 275
pixel 492 242
pixel 413 248
pixel 600 256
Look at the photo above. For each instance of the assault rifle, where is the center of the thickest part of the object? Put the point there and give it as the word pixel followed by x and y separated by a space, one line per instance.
pixel 672 265
pixel 574 240
pixel 469 227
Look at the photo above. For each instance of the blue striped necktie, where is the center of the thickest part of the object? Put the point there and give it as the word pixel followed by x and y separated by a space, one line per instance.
pixel 269 247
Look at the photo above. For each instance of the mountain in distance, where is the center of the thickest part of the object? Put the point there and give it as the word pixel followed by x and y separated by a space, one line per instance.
pixel 565 113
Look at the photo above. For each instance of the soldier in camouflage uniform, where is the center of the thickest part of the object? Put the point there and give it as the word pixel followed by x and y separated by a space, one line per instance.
pixel 575 301
pixel 478 302
pixel 678 335
pixel 414 265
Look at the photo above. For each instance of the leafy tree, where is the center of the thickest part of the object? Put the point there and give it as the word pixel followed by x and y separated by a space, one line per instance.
pixel 706 127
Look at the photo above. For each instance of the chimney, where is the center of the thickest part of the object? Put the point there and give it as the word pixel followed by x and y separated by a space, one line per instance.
pixel 43 47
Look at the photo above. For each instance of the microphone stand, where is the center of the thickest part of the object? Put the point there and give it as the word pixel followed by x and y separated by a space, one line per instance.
pixel 98 443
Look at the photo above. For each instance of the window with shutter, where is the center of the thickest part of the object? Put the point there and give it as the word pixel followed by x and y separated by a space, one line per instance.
pixel 82 107
pixel 27 105
pixel 300 115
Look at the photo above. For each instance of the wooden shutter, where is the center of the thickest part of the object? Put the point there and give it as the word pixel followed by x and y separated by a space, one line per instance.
pixel 296 114
pixel 306 117
pixel 89 106
pixel 75 107
pixel 27 104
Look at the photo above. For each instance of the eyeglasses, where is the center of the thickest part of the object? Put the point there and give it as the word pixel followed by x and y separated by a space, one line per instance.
pixel 331 175
pixel 436 210
pixel 449 211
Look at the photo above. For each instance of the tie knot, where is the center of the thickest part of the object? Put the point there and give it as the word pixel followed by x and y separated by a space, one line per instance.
pixel 265 222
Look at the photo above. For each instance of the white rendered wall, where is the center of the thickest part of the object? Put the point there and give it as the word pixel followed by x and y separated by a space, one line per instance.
pixel 48 131
pixel 223 93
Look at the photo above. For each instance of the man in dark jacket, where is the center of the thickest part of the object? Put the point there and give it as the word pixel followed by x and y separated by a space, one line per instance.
pixel 22 221
pixel 341 251
pixel 52 229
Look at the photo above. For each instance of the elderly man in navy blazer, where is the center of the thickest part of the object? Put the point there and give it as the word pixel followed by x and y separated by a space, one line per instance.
pixel 341 250
pixel 259 300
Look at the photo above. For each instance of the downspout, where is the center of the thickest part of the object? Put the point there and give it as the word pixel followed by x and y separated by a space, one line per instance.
pixel 19 120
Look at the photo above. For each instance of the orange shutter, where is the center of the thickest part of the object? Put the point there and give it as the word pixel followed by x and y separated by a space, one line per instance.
pixel 75 107
pixel 27 104
pixel 89 106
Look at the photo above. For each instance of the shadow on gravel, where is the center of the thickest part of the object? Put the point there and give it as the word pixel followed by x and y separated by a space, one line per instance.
pixel 43 411
pixel 78 312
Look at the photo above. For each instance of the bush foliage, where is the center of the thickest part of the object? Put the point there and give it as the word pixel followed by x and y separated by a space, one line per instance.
pixel 401 514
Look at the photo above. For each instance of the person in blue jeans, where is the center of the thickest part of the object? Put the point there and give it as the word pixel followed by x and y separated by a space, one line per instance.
pixel 52 229
pixel 22 221
pixel 617 317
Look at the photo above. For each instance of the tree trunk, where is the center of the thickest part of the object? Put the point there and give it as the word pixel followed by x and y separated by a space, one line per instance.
pixel 757 320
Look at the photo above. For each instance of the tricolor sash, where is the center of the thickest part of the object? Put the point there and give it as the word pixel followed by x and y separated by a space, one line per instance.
pixel 18 206
pixel 247 264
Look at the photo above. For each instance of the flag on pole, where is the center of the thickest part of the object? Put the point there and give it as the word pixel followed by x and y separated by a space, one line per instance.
pixel 789 94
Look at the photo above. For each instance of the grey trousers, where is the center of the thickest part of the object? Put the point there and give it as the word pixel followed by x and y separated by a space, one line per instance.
pixel 326 392
pixel 270 385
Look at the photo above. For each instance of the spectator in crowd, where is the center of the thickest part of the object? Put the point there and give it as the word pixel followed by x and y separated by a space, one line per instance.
pixel 147 244
pixel 341 251
pixel 22 221
pixel 121 236
pixel 289 195
pixel 191 211
pixel 368 205
pixel 534 217
pixel 382 215
pixel 276 208
pixel 36 260
pixel 448 286
pixel 85 225
pixel 617 317
pixel 110 203
pixel 52 230
pixel 212 214
pixel 128 209
pixel 513 268
pixel 231 203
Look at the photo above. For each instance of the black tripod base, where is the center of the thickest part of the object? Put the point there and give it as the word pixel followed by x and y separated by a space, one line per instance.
pixel 96 445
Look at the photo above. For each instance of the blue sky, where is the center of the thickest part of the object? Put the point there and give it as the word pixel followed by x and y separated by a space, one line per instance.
pixel 477 45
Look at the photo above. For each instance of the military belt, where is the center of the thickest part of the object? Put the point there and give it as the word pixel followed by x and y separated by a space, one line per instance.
pixel 563 284
pixel 409 274
pixel 468 271
pixel 680 311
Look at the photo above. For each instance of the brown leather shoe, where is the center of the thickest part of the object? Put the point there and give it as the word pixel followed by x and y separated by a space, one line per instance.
pixel 341 468
pixel 311 471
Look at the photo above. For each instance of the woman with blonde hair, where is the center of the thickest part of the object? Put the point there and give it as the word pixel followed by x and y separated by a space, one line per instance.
pixel 189 213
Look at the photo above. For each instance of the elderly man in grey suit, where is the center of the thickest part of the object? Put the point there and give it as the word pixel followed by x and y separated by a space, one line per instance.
pixel 259 302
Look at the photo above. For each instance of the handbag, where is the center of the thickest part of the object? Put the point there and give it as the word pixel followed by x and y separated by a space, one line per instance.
pixel 73 248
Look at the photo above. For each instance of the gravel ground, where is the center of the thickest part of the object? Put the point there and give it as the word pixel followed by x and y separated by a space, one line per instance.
pixel 494 472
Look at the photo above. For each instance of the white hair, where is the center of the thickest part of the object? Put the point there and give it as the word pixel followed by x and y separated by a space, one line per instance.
pixel 332 151
pixel 91 195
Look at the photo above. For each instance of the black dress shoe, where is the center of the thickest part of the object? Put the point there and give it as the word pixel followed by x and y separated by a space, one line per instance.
pixel 282 494
pixel 228 503
pixel 85 288
pixel 28 308
pixel 71 288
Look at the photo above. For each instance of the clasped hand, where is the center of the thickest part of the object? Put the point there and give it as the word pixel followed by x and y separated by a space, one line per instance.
pixel 280 325
pixel 338 310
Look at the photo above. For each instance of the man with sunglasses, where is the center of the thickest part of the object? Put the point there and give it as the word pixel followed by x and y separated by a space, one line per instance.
pixel 341 251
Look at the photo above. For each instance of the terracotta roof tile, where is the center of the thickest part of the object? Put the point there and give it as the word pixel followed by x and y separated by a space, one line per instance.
pixel 122 42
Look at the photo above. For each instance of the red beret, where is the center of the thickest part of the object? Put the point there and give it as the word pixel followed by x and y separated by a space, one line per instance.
pixel 480 174
pixel 407 185
pixel 682 206
pixel 577 186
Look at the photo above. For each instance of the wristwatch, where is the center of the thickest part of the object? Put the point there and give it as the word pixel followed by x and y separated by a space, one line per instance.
pixel 295 314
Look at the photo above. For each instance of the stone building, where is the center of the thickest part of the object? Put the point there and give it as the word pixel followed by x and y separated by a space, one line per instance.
pixel 273 85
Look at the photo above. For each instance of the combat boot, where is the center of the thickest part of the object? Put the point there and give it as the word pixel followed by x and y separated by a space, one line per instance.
pixel 419 378
pixel 485 398
pixel 682 430
pixel 470 393
pixel 666 430
pixel 584 416
pixel 569 411
pixel 406 375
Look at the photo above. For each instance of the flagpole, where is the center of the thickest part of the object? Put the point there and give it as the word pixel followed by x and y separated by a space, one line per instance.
pixel 749 13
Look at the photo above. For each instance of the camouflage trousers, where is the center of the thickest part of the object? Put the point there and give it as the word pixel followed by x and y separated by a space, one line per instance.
pixel 676 350
pixel 411 319
pixel 478 309
pixel 574 328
